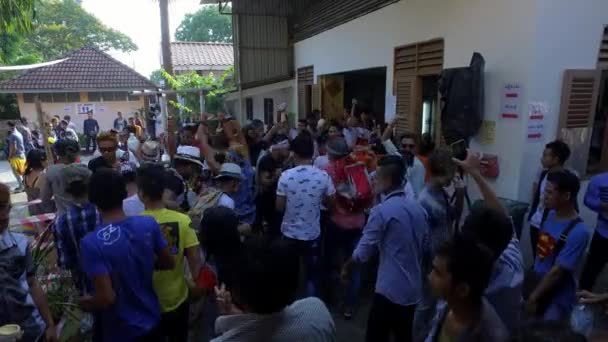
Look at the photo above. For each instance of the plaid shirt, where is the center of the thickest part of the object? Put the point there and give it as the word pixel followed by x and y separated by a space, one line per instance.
pixel 69 229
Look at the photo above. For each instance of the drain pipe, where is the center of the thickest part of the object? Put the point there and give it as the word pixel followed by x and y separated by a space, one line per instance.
pixel 237 57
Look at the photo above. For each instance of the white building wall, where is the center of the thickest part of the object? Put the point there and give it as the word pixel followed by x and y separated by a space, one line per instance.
pixel 279 92
pixel 568 36
pixel 518 39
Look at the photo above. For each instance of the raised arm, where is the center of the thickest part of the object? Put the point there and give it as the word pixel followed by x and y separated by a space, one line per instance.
pixel 388 131
pixel 271 132
pixel 206 150
pixel 472 166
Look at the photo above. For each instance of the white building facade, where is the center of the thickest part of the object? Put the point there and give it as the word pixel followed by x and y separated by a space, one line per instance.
pixel 531 43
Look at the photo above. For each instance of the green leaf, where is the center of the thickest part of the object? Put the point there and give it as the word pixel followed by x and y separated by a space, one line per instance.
pixel 206 25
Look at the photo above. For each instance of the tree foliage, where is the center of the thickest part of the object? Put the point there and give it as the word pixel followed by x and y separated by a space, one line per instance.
pixel 16 15
pixel 157 76
pixel 216 89
pixel 58 27
pixel 63 25
pixel 206 25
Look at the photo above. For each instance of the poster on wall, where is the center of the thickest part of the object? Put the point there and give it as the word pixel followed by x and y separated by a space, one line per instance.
pixel 537 113
pixel 84 108
pixel 391 108
pixel 511 101
pixel 67 109
pixel 487 133
pixel 100 109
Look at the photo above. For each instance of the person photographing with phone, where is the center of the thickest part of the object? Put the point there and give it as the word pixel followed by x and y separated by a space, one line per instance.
pixel 407 148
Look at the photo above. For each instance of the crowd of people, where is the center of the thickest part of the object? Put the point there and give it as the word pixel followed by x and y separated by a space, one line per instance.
pixel 250 234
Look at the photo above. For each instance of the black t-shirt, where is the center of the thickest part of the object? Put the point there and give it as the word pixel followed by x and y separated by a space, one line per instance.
pixel 98 163
pixel 255 149
pixel 268 164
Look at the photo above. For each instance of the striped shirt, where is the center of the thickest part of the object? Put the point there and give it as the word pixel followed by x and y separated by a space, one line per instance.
pixel 306 320
pixel 69 229
pixel 504 291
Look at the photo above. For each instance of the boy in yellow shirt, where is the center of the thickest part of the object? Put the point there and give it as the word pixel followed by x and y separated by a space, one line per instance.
pixel 171 286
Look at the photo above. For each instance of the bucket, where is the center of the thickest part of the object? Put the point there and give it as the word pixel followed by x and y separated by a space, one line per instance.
pixel 10 333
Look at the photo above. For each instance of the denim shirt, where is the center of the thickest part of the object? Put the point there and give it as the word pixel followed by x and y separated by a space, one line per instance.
pixel 504 291
pixel 396 228
pixel 244 203
pixel 597 193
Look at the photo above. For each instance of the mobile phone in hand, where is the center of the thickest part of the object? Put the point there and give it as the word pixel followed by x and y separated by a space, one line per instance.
pixel 459 149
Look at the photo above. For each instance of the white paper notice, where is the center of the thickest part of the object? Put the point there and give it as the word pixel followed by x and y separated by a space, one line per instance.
pixel 537 112
pixel 391 108
pixel 511 101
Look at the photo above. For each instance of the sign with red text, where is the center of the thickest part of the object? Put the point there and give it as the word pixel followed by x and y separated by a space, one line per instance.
pixel 511 101
pixel 537 114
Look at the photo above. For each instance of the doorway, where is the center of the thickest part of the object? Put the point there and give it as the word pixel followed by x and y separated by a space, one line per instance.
pixel 430 105
pixel 598 149
pixel 368 86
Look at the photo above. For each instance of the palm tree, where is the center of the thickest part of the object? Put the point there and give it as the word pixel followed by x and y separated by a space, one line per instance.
pixel 16 15
pixel 165 46
pixel 165 33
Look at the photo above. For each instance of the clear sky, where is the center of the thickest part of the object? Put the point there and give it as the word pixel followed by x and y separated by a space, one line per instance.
pixel 140 20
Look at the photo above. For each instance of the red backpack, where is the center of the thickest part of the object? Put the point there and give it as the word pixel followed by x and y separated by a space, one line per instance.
pixel 354 190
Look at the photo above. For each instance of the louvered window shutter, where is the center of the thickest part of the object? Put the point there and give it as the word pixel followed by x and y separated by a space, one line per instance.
pixel 430 57
pixel 419 59
pixel 305 78
pixel 406 90
pixel 411 62
pixel 602 59
pixel 316 96
pixel 578 106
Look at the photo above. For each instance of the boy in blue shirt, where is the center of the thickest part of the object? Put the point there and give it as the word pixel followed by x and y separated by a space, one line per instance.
pixel 596 199
pixel 119 259
pixel 561 246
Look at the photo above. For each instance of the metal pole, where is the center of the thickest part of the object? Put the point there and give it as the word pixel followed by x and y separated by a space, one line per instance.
pixel 201 102
pixel 163 113
pixel 237 55
pixel 45 135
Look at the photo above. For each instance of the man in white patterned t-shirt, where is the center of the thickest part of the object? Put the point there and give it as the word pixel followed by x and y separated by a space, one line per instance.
pixel 300 194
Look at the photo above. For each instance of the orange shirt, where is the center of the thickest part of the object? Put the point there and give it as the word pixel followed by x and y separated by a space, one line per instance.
pixel 425 162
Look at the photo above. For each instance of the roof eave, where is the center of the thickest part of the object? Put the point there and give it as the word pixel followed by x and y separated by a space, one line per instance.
pixel 201 67
pixel 37 91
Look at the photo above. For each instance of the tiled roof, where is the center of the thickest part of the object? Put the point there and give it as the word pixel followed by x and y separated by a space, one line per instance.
pixel 195 55
pixel 85 68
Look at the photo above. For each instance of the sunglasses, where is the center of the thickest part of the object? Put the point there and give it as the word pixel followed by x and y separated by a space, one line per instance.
pixel 408 145
pixel 107 149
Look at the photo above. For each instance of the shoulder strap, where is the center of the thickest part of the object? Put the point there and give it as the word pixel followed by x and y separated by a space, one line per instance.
pixel 536 199
pixel 561 243
pixel 544 218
